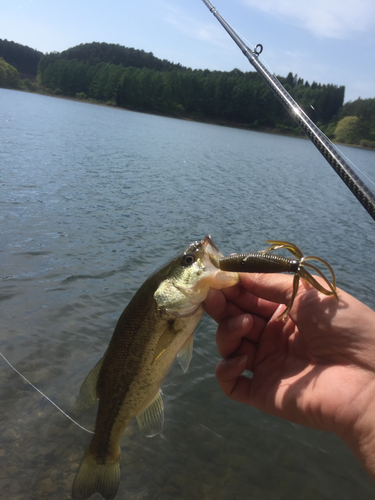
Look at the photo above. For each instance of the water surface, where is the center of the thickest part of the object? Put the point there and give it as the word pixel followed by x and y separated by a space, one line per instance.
pixel 92 200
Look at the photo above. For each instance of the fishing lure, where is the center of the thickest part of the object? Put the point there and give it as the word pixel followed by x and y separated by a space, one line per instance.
pixel 263 262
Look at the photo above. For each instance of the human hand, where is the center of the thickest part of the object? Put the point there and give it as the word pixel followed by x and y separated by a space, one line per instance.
pixel 317 368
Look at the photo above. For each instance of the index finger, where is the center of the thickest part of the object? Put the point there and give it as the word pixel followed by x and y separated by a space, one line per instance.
pixel 248 301
pixel 276 288
pixel 218 307
pixel 238 300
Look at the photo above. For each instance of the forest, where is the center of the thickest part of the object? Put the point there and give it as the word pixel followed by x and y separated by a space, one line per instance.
pixel 21 57
pixel 18 66
pixel 137 80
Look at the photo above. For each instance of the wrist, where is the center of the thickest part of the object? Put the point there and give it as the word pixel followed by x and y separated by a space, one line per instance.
pixel 358 432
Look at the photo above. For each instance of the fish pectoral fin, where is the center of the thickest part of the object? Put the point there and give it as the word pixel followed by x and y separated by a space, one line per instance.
pixel 87 393
pixel 165 340
pixel 151 420
pixel 185 354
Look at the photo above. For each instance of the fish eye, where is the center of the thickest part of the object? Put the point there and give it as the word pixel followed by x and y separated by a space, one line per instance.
pixel 188 260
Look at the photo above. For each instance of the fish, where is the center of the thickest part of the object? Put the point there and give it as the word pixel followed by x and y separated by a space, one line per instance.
pixel 155 328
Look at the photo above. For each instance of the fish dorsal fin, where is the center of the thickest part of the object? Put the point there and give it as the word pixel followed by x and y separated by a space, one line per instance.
pixel 88 393
pixel 185 353
pixel 164 341
pixel 151 420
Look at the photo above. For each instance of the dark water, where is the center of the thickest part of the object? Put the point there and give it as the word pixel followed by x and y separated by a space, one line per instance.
pixel 94 199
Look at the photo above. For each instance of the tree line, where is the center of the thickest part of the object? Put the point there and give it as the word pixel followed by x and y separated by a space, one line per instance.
pixel 138 80
pixel 95 53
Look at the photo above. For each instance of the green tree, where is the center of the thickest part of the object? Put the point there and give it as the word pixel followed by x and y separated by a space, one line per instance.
pixel 364 109
pixel 347 130
pixel 8 76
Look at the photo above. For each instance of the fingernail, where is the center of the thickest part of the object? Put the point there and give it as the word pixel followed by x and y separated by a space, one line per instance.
pixel 235 323
pixel 237 361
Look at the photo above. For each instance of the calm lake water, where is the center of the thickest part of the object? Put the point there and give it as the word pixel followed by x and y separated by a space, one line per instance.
pixel 92 200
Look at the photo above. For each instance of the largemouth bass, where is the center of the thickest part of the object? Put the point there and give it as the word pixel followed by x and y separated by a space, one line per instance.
pixel 156 327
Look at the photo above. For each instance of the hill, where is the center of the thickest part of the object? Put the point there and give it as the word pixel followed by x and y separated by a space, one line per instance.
pixel 95 53
pixel 21 57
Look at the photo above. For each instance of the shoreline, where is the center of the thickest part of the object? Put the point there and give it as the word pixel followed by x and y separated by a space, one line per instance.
pixel 265 130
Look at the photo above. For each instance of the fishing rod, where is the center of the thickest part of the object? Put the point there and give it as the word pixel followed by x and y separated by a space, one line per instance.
pixel 320 140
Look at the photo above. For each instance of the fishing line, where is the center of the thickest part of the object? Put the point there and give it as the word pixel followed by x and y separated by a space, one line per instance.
pixel 317 137
pixel 355 166
pixel 47 398
pixel 50 400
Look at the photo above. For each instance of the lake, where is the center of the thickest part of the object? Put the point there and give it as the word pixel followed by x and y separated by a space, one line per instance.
pixel 92 200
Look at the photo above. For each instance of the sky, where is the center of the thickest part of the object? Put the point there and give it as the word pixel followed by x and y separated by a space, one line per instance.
pixel 327 41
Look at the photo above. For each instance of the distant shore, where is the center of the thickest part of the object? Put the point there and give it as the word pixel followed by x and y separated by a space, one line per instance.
pixel 221 123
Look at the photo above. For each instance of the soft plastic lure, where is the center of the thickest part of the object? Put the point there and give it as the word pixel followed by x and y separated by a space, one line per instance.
pixel 263 262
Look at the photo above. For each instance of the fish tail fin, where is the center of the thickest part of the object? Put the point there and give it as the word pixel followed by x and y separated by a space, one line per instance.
pixel 95 477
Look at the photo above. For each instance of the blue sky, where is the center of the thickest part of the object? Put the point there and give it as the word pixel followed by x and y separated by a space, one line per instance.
pixel 329 41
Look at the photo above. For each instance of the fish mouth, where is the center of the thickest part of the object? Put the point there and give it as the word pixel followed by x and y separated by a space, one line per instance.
pixel 211 250
pixel 216 278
